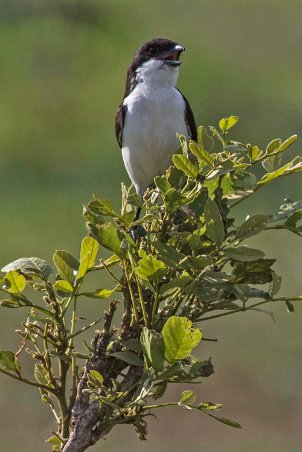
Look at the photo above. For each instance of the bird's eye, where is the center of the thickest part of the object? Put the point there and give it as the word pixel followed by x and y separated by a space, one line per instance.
pixel 153 50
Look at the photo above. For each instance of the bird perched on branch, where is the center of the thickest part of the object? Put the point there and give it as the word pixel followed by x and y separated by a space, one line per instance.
pixel 152 112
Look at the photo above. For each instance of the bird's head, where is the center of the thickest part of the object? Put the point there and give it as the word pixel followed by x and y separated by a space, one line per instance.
pixel 157 60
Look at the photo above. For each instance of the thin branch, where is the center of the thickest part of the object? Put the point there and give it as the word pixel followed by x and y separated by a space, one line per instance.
pixel 71 336
pixel 29 382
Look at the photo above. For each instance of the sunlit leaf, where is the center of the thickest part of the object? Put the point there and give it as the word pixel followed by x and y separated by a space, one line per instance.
pixel 102 207
pixel 201 153
pixel 185 165
pixel 30 265
pixel 227 123
pixel 148 266
pixel 96 376
pixel 89 249
pixel 41 375
pixel 162 183
pixel 66 265
pixel 180 338
pixel 273 145
pixel 187 397
pixel 15 282
pixel 204 139
pixel 286 144
pixel 184 144
pixel 63 286
pixel 99 293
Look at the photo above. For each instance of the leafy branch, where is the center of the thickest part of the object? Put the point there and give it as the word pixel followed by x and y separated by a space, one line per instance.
pixel 183 262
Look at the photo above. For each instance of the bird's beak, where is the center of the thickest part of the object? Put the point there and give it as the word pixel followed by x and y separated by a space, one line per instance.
pixel 171 57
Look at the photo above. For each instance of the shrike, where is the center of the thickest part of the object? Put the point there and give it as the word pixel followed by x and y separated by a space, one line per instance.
pixel 152 112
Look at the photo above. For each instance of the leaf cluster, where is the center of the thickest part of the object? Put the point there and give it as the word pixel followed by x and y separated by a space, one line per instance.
pixel 185 261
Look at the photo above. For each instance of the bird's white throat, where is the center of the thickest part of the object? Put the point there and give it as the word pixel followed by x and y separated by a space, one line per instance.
pixel 156 71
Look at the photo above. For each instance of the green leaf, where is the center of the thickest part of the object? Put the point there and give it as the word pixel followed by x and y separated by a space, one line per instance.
pixel 257 272
pixel 41 375
pixel 291 167
pixel 174 199
pixel 169 255
pixel 184 143
pixel 66 265
pixel 9 361
pixel 128 357
pixel 252 226
pixel 224 420
pixel 292 221
pixel 96 376
pixel 99 293
pixel 160 390
pixel 179 281
pixel 15 282
pixel 153 349
pixel 108 236
pixel 243 254
pixel 30 265
pixel 210 406
pixel 148 266
pixel 216 134
pixel 204 139
pixel 287 143
pixel 89 249
pixel 179 338
pixel 63 286
pixel 272 163
pixel 162 183
pixel 102 207
pixel 55 442
pixel 201 153
pixel 273 145
pixel 10 303
pixel 218 277
pixel 254 152
pixel 187 397
pixel 227 123
pixel 185 165
pixel 213 221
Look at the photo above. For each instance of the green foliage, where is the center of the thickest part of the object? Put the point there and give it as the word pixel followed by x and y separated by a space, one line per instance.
pixel 185 261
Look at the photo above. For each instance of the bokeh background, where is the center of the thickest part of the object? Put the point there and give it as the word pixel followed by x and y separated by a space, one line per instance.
pixel 62 74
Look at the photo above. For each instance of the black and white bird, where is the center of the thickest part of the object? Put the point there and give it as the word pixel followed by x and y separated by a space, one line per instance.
pixel 152 112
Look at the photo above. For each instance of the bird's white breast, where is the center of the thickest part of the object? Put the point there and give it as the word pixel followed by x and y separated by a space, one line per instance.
pixel 155 113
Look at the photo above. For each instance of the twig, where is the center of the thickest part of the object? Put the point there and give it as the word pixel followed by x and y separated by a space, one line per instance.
pixel 29 382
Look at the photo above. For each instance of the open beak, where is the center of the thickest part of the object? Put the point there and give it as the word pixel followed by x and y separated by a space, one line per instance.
pixel 171 57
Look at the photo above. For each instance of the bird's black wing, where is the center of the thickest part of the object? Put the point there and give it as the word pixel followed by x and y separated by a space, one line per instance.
pixel 119 123
pixel 189 118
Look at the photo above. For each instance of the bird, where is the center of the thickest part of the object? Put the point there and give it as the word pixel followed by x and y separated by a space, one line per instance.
pixel 152 112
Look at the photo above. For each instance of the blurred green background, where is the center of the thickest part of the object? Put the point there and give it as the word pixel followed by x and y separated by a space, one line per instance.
pixel 62 74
